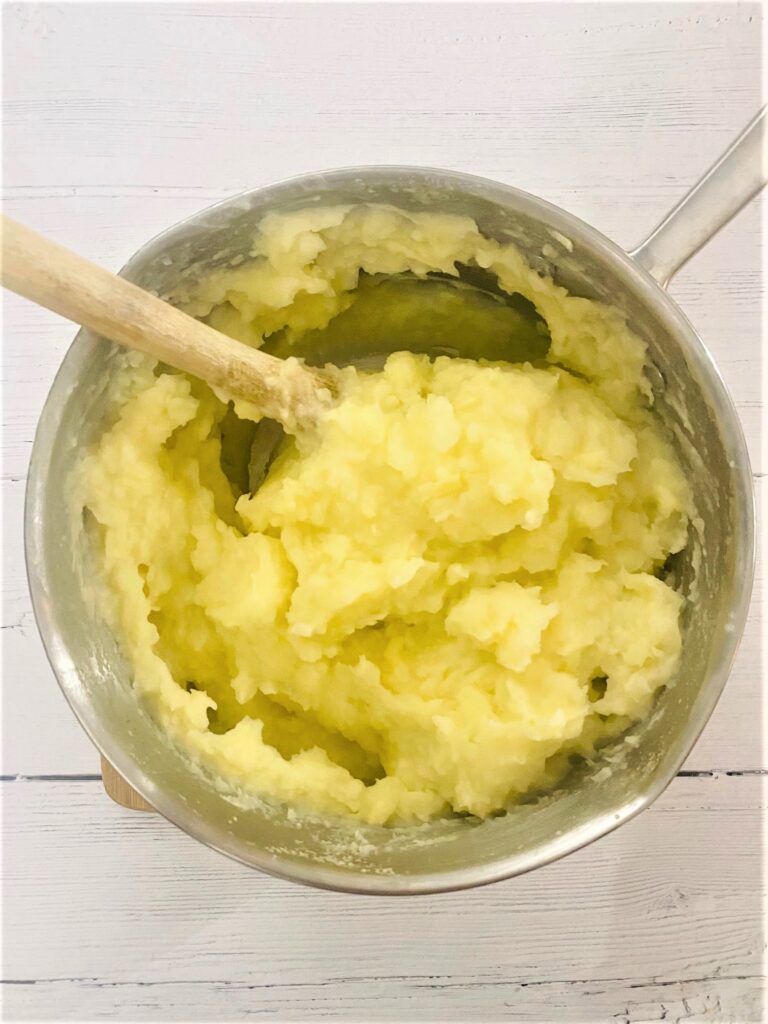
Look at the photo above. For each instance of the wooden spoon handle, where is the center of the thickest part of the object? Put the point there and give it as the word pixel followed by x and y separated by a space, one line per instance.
pixel 118 789
pixel 58 279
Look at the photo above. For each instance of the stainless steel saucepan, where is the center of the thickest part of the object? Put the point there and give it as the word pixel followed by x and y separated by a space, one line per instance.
pixel 716 570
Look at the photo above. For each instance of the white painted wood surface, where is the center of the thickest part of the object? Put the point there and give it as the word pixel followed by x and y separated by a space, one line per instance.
pixel 121 119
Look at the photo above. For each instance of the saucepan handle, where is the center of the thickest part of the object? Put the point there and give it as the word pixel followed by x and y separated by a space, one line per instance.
pixel 737 176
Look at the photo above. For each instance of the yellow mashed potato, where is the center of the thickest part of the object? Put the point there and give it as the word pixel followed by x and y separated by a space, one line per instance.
pixel 437 596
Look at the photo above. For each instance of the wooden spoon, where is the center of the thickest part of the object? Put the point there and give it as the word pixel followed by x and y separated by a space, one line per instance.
pixel 52 276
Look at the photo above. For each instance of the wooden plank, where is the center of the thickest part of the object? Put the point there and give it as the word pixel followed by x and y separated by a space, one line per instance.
pixel 536 95
pixel 117 915
pixel 724 999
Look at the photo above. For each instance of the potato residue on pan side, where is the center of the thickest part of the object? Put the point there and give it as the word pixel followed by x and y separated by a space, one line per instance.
pixel 433 599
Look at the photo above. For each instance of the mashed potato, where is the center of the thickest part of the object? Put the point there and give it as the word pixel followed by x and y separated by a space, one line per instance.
pixel 432 600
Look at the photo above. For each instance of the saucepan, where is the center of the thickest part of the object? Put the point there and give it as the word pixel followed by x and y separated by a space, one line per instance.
pixel 715 572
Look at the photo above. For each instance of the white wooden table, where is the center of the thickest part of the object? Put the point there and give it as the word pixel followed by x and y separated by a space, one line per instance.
pixel 121 119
